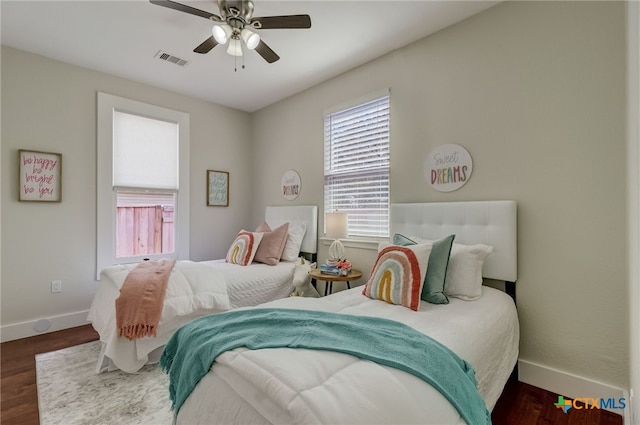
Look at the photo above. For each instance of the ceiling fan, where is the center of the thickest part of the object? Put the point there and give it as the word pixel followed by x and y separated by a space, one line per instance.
pixel 236 25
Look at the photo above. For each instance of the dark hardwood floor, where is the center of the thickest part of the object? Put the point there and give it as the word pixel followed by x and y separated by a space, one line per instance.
pixel 520 404
pixel 523 404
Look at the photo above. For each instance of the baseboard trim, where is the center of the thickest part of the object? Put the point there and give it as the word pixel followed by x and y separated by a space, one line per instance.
pixel 569 385
pixel 52 324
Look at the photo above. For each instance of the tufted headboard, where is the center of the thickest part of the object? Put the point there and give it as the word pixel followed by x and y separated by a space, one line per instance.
pixel 278 215
pixel 491 223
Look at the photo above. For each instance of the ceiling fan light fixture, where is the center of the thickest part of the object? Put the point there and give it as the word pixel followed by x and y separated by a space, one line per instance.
pixel 221 33
pixel 235 47
pixel 250 38
pixel 236 23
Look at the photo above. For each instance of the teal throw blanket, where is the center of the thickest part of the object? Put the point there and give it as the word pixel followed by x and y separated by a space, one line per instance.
pixel 191 351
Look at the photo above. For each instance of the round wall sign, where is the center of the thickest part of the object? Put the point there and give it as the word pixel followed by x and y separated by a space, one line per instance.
pixel 448 167
pixel 291 185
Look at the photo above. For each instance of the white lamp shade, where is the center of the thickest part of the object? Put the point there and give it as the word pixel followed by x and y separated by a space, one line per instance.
pixel 235 47
pixel 336 225
pixel 251 39
pixel 221 33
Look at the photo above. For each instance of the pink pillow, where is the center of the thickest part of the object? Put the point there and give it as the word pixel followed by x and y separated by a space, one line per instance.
pixel 272 244
pixel 243 248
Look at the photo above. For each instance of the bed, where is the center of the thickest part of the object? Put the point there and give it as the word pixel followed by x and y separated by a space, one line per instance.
pixel 199 288
pixel 297 383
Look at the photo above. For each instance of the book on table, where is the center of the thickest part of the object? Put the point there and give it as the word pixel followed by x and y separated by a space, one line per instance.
pixel 329 270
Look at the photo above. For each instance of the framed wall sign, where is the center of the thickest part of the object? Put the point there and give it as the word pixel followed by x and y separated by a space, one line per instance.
pixel 448 167
pixel 290 185
pixel 217 188
pixel 40 176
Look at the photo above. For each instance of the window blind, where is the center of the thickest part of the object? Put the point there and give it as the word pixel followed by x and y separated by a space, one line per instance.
pixel 356 166
pixel 145 152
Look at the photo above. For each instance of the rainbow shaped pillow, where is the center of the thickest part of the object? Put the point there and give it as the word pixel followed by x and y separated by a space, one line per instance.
pixel 244 248
pixel 398 274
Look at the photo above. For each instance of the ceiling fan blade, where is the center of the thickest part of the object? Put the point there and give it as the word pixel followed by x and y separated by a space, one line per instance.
pixel 206 45
pixel 288 21
pixel 187 9
pixel 266 52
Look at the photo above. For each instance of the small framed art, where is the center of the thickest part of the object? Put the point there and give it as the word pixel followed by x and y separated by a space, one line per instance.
pixel 40 176
pixel 217 188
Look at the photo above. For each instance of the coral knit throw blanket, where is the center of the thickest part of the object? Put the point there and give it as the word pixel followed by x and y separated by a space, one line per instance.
pixel 139 306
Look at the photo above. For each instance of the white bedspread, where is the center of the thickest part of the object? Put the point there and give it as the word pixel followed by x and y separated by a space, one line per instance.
pixel 192 288
pixel 305 386
pixel 257 283
pixel 207 287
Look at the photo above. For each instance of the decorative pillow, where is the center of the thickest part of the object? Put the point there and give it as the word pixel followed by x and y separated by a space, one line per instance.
pixel 464 275
pixel 291 251
pixel 244 248
pixel 402 240
pixel 398 274
pixel 433 289
pixel 272 244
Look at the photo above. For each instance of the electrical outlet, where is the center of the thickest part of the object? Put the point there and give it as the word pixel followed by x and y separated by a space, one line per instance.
pixel 56 286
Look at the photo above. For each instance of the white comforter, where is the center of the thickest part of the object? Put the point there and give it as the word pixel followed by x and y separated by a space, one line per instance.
pixel 304 386
pixel 257 283
pixel 193 289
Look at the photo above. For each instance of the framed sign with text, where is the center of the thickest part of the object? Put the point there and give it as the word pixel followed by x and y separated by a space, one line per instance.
pixel 40 176
pixel 217 188
pixel 291 185
pixel 448 167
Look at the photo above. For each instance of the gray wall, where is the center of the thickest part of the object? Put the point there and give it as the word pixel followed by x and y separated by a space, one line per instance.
pixel 536 93
pixel 51 106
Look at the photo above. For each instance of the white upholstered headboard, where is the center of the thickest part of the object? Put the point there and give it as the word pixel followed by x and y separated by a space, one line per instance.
pixel 491 223
pixel 278 215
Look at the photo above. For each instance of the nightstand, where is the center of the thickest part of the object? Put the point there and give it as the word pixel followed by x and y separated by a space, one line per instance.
pixel 329 278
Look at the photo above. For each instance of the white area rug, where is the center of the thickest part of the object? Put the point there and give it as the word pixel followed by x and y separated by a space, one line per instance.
pixel 70 391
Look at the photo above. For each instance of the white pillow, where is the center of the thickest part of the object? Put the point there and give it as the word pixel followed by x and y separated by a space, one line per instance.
pixel 291 251
pixel 464 274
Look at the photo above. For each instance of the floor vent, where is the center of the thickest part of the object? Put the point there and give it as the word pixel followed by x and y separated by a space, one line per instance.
pixel 170 58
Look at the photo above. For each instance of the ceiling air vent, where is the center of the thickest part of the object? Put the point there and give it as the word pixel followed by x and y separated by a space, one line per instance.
pixel 170 58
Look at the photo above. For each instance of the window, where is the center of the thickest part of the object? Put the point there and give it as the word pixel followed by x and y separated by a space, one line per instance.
pixel 356 166
pixel 144 224
pixel 143 182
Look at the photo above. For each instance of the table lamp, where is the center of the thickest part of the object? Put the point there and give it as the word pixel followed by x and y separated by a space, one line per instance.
pixel 336 225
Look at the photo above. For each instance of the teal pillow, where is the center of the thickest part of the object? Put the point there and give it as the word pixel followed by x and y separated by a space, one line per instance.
pixel 402 240
pixel 433 289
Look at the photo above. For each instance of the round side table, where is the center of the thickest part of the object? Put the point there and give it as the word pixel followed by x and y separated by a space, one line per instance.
pixel 329 279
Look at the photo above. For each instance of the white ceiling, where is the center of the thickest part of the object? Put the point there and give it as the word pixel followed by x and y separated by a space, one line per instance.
pixel 122 38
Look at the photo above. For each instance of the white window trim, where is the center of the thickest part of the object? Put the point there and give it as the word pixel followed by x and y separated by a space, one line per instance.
pixel 106 196
pixel 370 243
